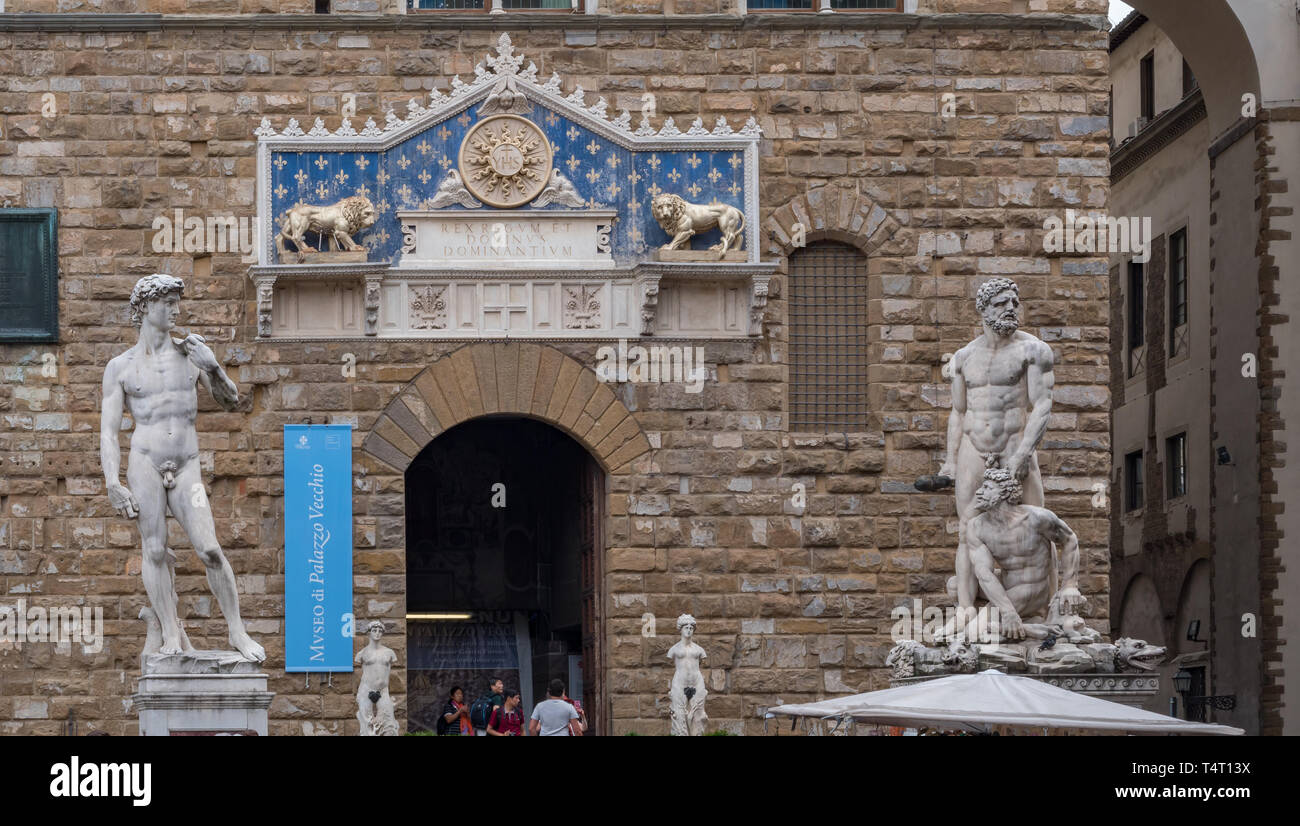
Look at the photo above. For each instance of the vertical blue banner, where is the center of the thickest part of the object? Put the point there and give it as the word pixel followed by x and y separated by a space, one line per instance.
pixel 317 547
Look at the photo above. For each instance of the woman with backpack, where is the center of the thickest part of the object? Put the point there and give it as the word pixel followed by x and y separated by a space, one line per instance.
pixel 507 720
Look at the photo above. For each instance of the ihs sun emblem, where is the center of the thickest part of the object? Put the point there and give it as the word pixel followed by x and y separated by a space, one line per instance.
pixel 505 160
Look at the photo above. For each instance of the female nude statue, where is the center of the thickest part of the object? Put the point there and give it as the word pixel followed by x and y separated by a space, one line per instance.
pixel 686 696
pixel 374 704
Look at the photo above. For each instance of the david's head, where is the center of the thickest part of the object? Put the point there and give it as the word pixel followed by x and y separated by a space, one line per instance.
pixel 157 298
pixel 999 486
pixel 375 630
pixel 998 303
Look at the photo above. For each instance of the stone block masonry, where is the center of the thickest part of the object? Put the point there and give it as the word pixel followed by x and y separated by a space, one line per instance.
pixel 860 144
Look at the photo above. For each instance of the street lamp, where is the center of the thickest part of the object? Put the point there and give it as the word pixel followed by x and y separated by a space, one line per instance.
pixel 1191 705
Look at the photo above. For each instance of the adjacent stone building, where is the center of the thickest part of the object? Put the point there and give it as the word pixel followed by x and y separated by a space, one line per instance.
pixel 905 156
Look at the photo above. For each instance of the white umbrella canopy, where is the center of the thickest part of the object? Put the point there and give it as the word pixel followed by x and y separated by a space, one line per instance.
pixel 992 698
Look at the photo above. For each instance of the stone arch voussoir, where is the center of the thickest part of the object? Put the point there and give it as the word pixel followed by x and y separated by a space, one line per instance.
pixel 830 213
pixel 520 378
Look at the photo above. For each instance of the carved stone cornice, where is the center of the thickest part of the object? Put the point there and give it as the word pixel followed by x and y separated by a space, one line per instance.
pixel 1163 131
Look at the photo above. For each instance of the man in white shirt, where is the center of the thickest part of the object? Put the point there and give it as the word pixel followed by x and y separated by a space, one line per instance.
pixel 551 716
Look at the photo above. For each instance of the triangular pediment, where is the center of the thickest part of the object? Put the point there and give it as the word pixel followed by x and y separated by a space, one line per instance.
pixel 593 160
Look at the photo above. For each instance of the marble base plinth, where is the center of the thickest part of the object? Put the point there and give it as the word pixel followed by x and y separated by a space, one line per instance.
pixel 201 692
pixel 697 256
pixel 328 257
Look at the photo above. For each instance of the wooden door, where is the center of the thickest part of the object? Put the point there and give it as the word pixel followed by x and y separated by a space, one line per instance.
pixel 591 507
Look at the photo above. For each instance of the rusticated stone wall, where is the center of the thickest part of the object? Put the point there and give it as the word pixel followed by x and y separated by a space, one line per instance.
pixel 791 605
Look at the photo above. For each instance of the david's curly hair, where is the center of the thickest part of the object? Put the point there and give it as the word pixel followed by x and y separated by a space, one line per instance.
pixel 990 290
pixel 149 288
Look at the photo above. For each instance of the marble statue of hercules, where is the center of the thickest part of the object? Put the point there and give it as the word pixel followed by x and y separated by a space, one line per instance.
pixel 1018 539
pixel 1001 400
pixel 155 381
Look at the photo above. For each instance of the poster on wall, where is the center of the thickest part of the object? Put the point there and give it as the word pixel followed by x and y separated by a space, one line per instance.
pixel 318 622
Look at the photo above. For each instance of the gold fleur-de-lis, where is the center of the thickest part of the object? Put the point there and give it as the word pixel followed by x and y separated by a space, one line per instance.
pixel 735 161
pixel 694 189
pixel 633 205
pixel 674 176
pixel 424 177
pixel 464 119
pixel 593 175
pixel 362 162
pixel 363 191
pixel 404 192
pixel 301 177
pixel 382 206
pixel 573 133
pixel 591 203
pixel 551 119
pixel 424 147
pixel 612 161
pixel 694 161
pixel 280 191
pixel 593 147
pixel 555 148
pixel 573 164
pixel 633 177
pixel 714 175
pixel 653 190
pixel 444 133
pixel 321 163
pixel 279 162
pixel 403 162
pixel 714 201
pixel 444 162
pixel 341 177
pixel 734 189
pixel 636 235
pixel 382 236
pixel 654 162
pixel 382 177
pixel 322 190
pixel 614 189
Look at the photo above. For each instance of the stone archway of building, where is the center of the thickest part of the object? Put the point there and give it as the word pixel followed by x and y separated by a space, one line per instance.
pixel 521 378
pixel 492 380
pixel 829 213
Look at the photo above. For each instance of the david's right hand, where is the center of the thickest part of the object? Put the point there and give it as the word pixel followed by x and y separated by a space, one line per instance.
pixel 123 501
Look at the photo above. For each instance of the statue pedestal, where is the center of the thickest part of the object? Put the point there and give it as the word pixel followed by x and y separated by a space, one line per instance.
pixel 201 693
pixel 1131 689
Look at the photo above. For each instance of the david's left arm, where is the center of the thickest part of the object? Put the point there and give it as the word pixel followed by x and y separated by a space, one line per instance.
pixel 210 372
pixel 1039 380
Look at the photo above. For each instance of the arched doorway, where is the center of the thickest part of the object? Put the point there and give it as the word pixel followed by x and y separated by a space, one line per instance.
pixel 503 566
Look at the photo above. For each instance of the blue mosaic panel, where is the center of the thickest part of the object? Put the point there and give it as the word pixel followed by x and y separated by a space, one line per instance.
pixel 605 174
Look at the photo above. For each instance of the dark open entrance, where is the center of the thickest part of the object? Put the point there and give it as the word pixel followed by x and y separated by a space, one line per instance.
pixel 503 525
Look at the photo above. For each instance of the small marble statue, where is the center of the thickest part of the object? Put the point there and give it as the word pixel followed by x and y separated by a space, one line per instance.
pixel 339 221
pixel 155 381
pixel 374 704
pixel 1001 401
pixel 682 220
pixel 688 692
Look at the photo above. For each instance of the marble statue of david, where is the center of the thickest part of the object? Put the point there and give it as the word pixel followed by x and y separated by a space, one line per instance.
pixel 155 381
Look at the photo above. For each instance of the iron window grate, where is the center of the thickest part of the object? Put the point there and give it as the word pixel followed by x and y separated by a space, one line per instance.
pixel 828 339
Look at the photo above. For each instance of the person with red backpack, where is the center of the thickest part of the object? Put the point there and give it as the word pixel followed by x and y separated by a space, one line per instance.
pixel 507 720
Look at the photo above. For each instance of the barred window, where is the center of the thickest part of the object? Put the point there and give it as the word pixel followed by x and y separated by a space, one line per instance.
pixel 485 5
pixel 828 338
pixel 29 275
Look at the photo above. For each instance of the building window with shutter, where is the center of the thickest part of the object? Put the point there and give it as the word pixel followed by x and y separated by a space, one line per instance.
pixel 1176 459
pixel 1133 481
pixel 828 339
pixel 1178 293
pixel 29 275
pixel 1136 319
